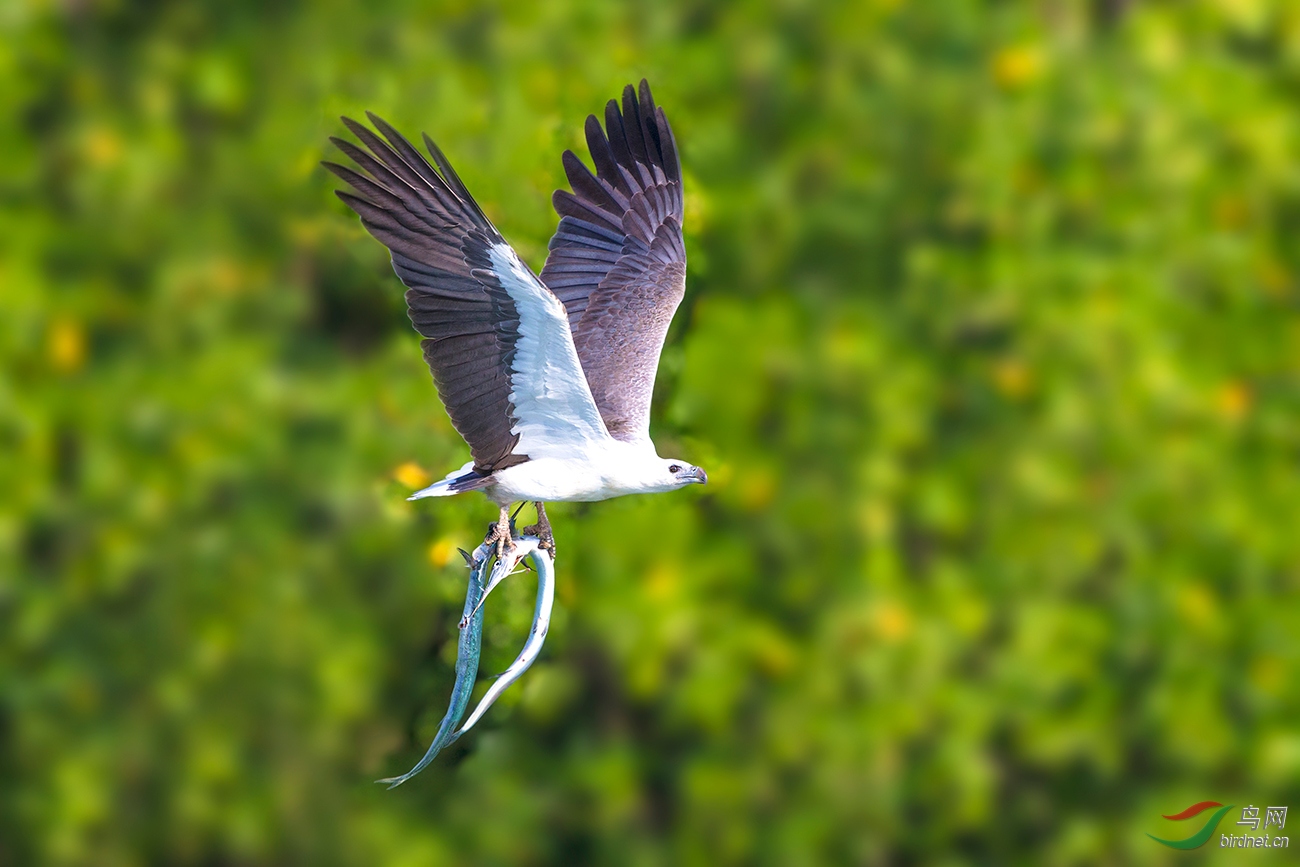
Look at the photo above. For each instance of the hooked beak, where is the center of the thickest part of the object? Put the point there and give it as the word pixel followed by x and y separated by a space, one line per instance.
pixel 695 475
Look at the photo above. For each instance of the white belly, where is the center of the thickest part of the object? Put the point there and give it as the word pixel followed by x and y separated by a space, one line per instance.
pixel 599 475
pixel 549 480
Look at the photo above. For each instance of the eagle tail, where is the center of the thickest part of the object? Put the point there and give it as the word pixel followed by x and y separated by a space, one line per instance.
pixel 456 482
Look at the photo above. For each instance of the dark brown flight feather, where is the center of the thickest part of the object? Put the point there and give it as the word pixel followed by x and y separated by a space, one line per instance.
pixel 440 242
pixel 617 260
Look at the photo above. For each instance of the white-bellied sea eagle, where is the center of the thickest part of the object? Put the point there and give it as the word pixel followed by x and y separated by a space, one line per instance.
pixel 549 378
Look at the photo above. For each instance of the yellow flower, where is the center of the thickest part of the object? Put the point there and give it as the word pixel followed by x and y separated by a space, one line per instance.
pixel 412 475
pixel 662 582
pixel 1011 378
pixel 893 621
pixel 67 346
pixel 1233 401
pixel 440 552
pixel 1016 65
pixel 103 147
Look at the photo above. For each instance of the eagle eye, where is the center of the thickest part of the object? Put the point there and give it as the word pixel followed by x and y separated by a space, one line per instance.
pixel 675 469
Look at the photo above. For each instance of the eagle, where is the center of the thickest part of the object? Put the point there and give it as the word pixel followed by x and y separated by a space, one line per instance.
pixel 548 378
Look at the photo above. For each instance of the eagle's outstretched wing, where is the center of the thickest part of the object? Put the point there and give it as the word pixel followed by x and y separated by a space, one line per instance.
pixel 497 340
pixel 617 260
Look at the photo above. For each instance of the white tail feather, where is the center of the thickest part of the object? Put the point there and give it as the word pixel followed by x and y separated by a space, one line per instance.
pixel 443 488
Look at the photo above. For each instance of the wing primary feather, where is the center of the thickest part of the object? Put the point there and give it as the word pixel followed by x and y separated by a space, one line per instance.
pixel 407 150
pixel 602 154
pixel 386 155
pixel 668 145
pixel 437 235
pixel 616 260
pixel 647 101
pixel 456 186
pixel 380 196
pixel 378 216
pixel 585 183
pixel 632 126
pixel 377 170
pixel 618 139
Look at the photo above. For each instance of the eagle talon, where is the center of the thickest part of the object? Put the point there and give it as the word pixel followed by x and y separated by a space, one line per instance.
pixel 546 540
pixel 542 530
pixel 501 534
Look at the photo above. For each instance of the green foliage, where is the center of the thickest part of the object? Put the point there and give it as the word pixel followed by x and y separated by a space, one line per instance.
pixel 989 348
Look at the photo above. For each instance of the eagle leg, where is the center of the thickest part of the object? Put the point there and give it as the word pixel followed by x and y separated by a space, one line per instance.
pixel 500 534
pixel 542 530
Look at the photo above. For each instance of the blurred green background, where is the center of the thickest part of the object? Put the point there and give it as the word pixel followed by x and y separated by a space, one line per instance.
pixel 990 348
